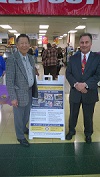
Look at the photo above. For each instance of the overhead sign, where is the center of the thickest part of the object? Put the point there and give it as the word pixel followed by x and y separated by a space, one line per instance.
pixel 11 40
pixel 3 36
pixel 56 39
pixel 95 36
pixel 50 7
pixel 32 36
pixel 44 40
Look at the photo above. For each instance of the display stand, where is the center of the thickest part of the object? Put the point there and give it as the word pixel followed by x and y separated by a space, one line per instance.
pixel 47 118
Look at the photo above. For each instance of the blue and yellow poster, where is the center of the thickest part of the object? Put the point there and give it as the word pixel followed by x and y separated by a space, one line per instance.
pixel 47 113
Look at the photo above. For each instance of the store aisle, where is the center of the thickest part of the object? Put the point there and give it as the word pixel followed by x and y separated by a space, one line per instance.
pixel 49 157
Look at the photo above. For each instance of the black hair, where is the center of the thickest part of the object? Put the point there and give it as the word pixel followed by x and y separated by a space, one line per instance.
pixel 22 35
pixel 30 51
pixel 48 45
pixel 86 34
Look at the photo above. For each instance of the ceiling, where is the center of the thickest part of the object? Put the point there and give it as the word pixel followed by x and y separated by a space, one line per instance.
pixel 57 25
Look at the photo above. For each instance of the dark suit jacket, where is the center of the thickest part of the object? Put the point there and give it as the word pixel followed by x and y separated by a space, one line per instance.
pixel 91 77
pixel 17 81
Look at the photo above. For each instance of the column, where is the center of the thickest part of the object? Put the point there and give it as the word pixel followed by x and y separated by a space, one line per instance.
pixel 72 40
pixel 95 31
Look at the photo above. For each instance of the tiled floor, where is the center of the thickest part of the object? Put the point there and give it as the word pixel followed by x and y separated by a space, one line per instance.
pixel 49 157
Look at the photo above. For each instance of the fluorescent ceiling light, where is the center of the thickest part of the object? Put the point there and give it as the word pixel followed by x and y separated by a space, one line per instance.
pixel 72 31
pixel 43 26
pixel 80 27
pixel 61 36
pixel 42 31
pixel 12 31
pixel 17 34
pixel 64 34
pixel 42 34
pixel 6 26
pixel 84 18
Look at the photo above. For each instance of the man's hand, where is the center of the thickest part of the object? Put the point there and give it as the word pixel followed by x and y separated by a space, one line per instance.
pixel 36 71
pixel 14 103
pixel 81 87
pixel 84 91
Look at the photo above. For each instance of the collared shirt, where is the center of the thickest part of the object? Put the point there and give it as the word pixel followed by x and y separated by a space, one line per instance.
pixel 87 55
pixel 28 69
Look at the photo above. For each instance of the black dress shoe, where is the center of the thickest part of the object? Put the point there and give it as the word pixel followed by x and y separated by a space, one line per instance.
pixel 24 142
pixel 26 132
pixel 88 139
pixel 69 136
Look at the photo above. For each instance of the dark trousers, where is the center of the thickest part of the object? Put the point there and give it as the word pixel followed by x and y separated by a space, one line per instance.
pixel 58 69
pixel 88 110
pixel 52 70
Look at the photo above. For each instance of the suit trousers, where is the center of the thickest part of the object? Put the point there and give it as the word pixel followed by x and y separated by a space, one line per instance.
pixel 88 110
pixel 21 117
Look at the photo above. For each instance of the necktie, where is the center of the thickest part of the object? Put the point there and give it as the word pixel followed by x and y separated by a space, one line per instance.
pixel 24 58
pixel 25 62
pixel 29 71
pixel 83 63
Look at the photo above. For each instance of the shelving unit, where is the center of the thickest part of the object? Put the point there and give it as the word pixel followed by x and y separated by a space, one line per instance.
pixel 39 50
pixel 2 48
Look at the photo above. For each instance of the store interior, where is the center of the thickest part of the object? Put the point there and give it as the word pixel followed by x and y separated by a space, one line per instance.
pixel 59 27
pixel 47 156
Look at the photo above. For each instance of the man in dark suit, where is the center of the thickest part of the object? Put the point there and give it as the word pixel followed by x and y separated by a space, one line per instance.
pixel 83 79
pixel 21 85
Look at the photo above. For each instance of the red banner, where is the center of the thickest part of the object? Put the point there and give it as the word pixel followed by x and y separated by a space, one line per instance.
pixel 50 7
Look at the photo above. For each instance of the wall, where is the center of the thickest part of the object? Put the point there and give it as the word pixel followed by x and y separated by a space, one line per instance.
pixel 76 41
pixel 96 31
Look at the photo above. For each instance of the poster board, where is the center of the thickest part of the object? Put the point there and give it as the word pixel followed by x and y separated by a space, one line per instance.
pixel 47 119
